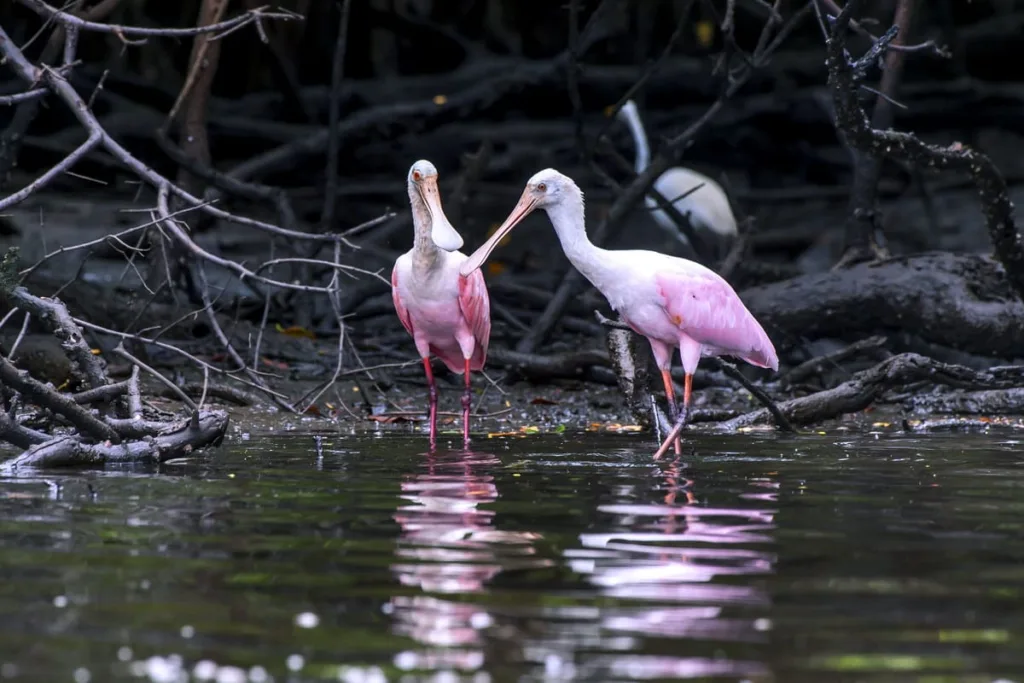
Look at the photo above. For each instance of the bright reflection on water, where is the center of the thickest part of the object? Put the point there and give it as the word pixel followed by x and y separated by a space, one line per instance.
pixel 538 559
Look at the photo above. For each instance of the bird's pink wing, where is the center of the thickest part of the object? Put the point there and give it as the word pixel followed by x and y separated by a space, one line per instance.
pixel 706 309
pixel 476 307
pixel 403 312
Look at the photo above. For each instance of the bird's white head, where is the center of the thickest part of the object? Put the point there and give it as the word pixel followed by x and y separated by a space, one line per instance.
pixel 548 190
pixel 426 203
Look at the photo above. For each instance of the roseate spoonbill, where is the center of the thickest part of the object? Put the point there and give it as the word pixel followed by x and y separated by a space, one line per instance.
pixel 708 207
pixel 447 314
pixel 671 301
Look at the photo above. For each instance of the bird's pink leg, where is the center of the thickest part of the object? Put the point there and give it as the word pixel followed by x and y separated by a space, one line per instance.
pixel 467 400
pixel 670 394
pixel 433 401
pixel 683 415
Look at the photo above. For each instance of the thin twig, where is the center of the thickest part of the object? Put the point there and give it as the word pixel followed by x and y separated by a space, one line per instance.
pixel 121 351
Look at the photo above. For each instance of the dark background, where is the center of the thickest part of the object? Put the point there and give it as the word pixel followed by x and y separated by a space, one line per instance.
pixel 496 66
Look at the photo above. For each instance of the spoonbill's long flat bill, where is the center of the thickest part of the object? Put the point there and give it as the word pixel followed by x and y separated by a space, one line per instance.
pixel 708 207
pixel 671 301
pixel 447 314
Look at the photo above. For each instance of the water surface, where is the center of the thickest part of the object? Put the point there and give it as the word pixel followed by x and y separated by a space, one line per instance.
pixel 757 558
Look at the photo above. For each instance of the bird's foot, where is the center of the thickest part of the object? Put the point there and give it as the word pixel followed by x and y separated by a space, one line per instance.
pixel 673 437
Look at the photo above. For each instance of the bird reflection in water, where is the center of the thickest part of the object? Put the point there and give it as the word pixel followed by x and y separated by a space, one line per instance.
pixel 675 556
pixel 449 545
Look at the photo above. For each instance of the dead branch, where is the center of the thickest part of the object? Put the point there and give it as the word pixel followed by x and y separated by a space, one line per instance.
pixel 844 77
pixel 120 351
pixel 179 440
pixel 222 28
pixel 867 386
pixel 816 366
pixel 46 397
pixel 242 366
pixel 928 45
pixel 864 236
pixel 56 316
pixel 223 392
pixel 179 234
pixel 19 435
pixel 59 85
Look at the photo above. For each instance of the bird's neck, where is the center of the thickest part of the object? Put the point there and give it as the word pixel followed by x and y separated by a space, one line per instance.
pixel 425 252
pixel 568 221
pixel 643 152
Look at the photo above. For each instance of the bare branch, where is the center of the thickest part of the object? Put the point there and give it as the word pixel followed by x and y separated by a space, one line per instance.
pixel 252 16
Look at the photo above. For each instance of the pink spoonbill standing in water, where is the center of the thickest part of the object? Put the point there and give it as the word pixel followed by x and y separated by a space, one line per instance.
pixel 673 302
pixel 447 314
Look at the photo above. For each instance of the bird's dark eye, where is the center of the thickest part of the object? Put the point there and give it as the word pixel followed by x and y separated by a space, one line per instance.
pixel 543 187
pixel 416 175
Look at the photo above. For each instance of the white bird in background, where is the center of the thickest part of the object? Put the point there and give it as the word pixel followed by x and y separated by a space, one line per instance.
pixel 708 207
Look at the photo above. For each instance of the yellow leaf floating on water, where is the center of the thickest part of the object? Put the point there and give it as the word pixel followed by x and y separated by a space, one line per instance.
pixel 294 331
pixel 523 431
pixel 616 427
pixel 704 31
pixel 613 427
pixel 440 99
pixel 95 352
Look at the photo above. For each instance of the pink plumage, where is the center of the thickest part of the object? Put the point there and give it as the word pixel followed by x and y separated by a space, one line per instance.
pixel 475 304
pixel 447 314
pixel 447 319
pixel 712 314
pixel 673 302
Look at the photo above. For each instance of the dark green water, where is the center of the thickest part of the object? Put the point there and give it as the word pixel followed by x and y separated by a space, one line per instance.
pixel 537 559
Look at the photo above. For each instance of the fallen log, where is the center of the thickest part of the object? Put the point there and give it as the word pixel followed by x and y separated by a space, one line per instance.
pixel 962 301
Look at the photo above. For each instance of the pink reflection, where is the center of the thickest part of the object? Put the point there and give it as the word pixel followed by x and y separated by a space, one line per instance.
pixel 448 544
pixel 639 667
pixel 683 557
